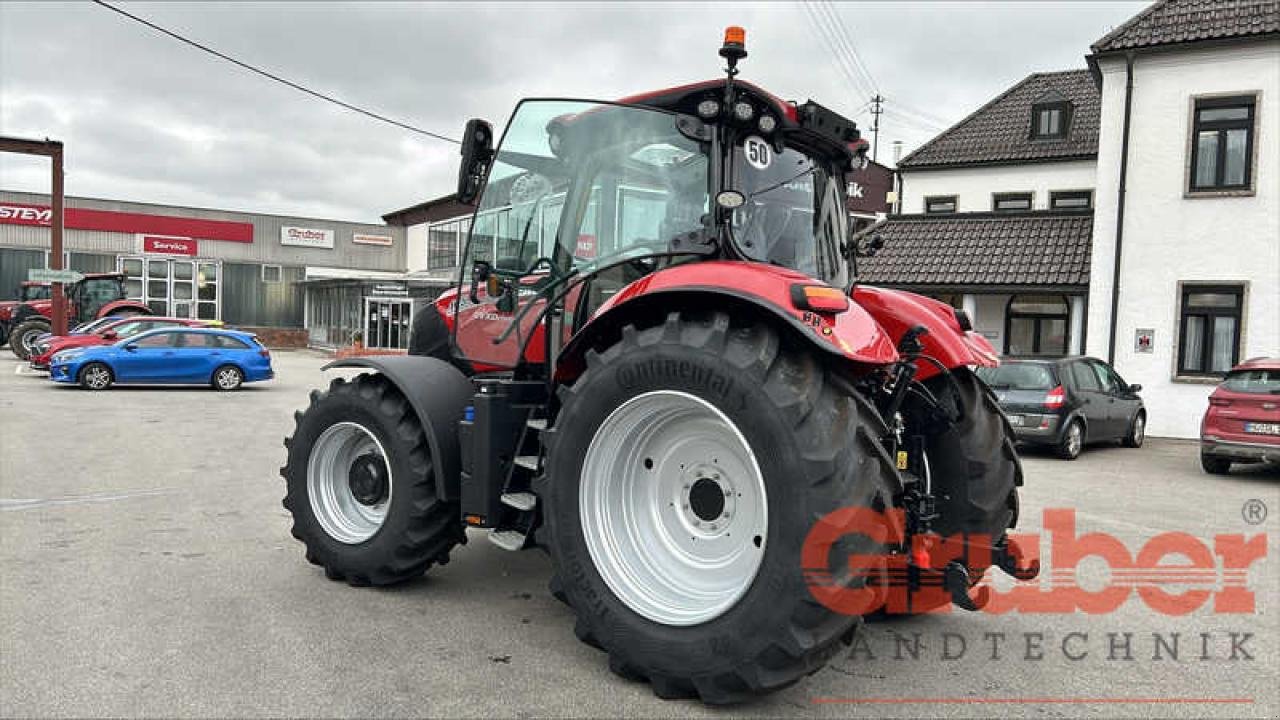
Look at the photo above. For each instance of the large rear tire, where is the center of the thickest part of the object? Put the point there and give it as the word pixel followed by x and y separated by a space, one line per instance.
pixel 361 486
pixel 21 340
pixel 686 468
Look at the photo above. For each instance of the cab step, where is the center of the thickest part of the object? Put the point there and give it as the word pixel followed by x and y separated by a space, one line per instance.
pixel 511 540
pixel 522 501
pixel 528 462
pixel 537 424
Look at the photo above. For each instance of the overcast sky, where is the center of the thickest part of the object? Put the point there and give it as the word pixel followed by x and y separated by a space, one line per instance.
pixel 146 118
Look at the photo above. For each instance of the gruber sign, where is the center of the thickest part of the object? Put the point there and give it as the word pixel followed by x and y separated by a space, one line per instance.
pixel 126 222
pixel 306 237
pixel 168 245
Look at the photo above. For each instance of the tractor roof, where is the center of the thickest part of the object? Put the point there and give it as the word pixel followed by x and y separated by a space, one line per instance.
pixel 678 97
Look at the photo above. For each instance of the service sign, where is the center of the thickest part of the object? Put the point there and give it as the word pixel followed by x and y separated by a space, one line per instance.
pixel 306 237
pixel 383 240
pixel 167 245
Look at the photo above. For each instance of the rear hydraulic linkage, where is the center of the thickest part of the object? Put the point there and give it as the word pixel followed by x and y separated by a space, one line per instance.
pixel 918 499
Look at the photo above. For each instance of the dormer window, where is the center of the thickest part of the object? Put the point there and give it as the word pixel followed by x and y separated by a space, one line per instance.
pixel 1050 117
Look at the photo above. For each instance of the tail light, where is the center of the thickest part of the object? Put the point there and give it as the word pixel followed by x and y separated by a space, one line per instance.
pixel 1055 398
pixel 265 353
pixel 1219 402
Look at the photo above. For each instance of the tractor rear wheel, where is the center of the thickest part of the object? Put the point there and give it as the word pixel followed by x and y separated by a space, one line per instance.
pixel 686 468
pixel 361 486
pixel 22 339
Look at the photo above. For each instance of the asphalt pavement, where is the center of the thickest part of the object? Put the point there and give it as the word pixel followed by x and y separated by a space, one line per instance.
pixel 146 569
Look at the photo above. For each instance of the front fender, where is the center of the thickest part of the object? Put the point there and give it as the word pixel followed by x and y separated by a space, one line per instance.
pixel 852 335
pixel 117 306
pixel 438 393
pixel 898 311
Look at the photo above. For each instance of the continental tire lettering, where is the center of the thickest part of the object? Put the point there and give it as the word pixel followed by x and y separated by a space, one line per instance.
pixel 656 371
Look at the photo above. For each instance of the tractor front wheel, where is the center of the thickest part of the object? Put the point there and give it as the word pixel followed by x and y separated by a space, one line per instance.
pixel 361 486
pixel 22 339
pixel 686 469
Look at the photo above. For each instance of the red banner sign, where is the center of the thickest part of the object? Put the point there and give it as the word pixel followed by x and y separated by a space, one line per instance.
pixel 166 245
pixel 124 222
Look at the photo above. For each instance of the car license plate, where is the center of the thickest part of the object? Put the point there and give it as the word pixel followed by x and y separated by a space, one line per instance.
pixel 1262 428
pixel 1015 420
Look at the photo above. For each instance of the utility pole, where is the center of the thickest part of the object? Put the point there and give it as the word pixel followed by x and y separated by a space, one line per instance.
pixel 51 149
pixel 875 128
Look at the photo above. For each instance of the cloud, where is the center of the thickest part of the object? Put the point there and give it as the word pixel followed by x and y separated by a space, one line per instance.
pixel 146 118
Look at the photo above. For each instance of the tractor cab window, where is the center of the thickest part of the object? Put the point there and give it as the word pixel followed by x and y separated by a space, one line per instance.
pixel 585 184
pixel 96 292
pixel 794 214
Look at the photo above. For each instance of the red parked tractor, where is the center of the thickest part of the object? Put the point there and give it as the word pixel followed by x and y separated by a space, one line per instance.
pixel 94 296
pixel 657 366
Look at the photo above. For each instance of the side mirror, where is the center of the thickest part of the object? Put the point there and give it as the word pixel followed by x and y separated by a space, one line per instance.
pixel 477 153
pixel 110 335
pixel 131 347
pixel 1135 388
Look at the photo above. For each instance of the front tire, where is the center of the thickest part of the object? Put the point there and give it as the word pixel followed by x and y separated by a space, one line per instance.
pixel 22 339
pixel 96 376
pixel 362 488
pixel 771 441
pixel 1137 431
pixel 1215 465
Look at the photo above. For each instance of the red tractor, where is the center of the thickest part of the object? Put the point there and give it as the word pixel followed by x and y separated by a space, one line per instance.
pixel 658 367
pixel 95 295
pixel 27 291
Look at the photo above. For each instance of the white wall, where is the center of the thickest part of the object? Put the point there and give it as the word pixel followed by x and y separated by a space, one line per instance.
pixel 975 185
pixel 1170 238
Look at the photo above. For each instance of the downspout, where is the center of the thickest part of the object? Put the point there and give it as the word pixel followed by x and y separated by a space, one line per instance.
pixel 1120 195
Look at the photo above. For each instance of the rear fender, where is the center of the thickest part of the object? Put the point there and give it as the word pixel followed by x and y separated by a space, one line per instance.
pixel 438 393
pixel 116 307
pixel 898 311
pixel 737 288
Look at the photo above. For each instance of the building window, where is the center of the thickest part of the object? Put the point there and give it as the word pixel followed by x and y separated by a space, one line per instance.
pixel 1209 329
pixel 1036 325
pixel 1222 144
pixel 1071 199
pixel 940 204
pixel 444 241
pixel 1050 120
pixel 271 274
pixel 1010 202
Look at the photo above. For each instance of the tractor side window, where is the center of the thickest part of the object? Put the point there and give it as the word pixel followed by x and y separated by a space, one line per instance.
pixel 99 292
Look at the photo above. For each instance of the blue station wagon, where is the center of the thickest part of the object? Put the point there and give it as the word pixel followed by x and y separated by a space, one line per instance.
pixel 224 359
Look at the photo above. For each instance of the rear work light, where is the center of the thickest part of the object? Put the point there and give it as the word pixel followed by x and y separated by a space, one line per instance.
pixel 819 298
pixel 1055 398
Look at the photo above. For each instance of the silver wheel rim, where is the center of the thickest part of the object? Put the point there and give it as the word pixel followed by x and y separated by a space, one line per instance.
pixel 228 378
pixel 97 377
pixel 1073 439
pixel 1139 427
pixel 335 507
pixel 648 505
pixel 29 341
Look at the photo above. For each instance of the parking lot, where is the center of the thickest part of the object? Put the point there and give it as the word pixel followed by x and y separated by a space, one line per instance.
pixel 146 568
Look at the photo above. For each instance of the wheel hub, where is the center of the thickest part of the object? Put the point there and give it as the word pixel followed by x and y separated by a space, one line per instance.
pixel 707 499
pixel 368 479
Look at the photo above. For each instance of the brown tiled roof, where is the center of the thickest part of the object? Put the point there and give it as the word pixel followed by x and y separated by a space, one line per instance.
pixel 1032 249
pixel 1000 131
pixel 1173 22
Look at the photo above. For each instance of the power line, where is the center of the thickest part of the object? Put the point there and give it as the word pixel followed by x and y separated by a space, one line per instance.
pixel 272 76
pixel 846 41
pixel 837 56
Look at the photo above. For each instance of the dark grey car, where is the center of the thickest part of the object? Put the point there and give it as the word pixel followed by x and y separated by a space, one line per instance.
pixel 1066 403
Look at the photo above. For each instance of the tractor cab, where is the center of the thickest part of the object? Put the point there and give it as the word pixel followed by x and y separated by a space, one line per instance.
pixel 583 198
pixel 93 292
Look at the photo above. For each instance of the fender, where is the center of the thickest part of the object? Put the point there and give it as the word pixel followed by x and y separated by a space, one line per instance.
pixel 852 335
pixel 950 344
pixel 116 306
pixel 438 393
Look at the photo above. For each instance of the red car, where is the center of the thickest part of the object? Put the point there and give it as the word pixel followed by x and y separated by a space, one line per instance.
pixel 1242 423
pixel 108 333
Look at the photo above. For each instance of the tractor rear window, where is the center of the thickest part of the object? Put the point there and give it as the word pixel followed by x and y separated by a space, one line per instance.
pixel 1018 376
pixel 1261 382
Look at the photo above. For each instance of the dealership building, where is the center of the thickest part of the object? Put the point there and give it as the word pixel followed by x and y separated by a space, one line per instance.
pixel 294 280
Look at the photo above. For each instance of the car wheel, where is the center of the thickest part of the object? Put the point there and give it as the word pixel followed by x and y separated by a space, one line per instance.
pixel 227 377
pixel 1072 441
pixel 1215 465
pixel 1137 431
pixel 96 376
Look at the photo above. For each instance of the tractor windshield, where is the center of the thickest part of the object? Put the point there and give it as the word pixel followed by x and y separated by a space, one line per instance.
pixel 586 184
pixel 794 212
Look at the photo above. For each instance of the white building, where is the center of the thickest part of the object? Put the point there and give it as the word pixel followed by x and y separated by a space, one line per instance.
pixel 1187 201
pixel 996 216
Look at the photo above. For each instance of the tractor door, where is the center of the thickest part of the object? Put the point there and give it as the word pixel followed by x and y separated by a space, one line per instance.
pixel 578 190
